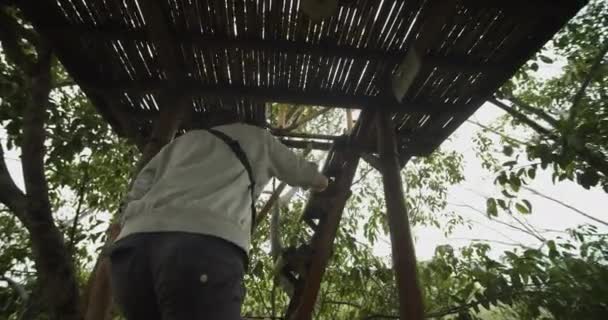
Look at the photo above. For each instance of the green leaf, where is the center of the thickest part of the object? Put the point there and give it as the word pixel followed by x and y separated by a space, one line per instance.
pixel 475 308
pixel 515 183
pixel 258 270
pixel 516 280
pixel 534 66
pixel 507 194
pixel 502 204
pixel 588 178
pixel 545 59
pixel 491 207
pixel 553 253
pixel 502 178
pixel 521 208
pixel 485 304
pixel 511 255
pixel 509 163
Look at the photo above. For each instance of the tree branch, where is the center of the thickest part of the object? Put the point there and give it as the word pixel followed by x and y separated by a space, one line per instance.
pixel 295 116
pixel 586 215
pixel 506 243
pixel 81 192
pixel 594 159
pixel 528 227
pixel 307 119
pixel 9 36
pixel 53 263
pixel 63 84
pixel 10 195
pixel 575 108
pixel 269 203
pixel 536 111
pixel 497 133
pixel 33 150
pixel 19 289
pixel 485 215
pixel 523 118
pixel 343 303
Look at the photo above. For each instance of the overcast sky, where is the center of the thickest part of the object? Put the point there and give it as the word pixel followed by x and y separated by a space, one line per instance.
pixel 479 183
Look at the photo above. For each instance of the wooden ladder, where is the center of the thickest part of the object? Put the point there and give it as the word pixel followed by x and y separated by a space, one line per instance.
pixel 323 213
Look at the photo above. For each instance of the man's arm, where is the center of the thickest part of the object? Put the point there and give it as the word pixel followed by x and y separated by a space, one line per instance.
pixel 291 168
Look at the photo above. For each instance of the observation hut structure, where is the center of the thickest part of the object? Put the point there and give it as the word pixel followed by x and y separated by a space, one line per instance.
pixel 416 70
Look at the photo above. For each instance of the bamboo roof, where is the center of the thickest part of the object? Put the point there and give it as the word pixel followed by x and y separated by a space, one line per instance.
pixel 245 54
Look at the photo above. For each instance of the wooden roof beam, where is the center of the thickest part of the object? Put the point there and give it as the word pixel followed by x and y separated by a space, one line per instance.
pixel 290 134
pixel 456 63
pixel 301 144
pixel 549 7
pixel 313 98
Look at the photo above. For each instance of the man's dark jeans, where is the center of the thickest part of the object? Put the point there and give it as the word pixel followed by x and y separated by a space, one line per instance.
pixel 177 276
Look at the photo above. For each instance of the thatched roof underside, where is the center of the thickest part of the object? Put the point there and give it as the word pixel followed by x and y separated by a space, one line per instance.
pixel 126 53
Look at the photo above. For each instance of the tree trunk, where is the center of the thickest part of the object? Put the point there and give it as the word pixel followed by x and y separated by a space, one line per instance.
pixel 55 268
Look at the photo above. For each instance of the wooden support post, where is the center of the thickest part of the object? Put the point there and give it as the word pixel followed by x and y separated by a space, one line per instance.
pixel 372 160
pixel 349 120
pixel 404 258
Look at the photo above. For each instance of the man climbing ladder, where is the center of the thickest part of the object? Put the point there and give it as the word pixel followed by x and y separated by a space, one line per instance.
pixel 187 222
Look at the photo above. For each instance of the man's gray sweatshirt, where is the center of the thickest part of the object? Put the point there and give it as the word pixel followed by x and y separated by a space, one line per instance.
pixel 196 184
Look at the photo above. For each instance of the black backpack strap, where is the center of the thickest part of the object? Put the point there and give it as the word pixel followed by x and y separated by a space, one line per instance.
pixel 240 154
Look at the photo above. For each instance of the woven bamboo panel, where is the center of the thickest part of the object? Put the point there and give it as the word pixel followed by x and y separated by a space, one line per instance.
pixel 245 54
